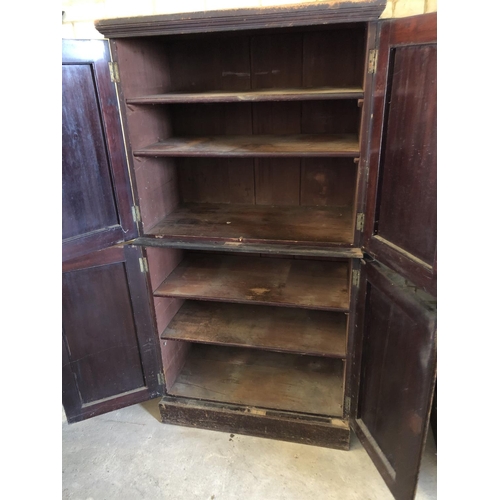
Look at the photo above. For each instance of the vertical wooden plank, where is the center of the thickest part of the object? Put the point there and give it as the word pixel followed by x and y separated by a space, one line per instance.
pixel 277 180
pixel 216 180
pixel 214 63
pixel 328 182
pixel 334 57
pixel 330 117
pixel 276 61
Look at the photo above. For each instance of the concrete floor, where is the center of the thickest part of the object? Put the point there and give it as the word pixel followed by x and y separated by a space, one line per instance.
pixel 129 454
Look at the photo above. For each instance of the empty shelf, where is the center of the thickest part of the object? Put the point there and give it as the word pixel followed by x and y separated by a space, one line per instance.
pixel 321 333
pixel 311 145
pixel 258 224
pixel 260 280
pixel 251 96
pixel 262 379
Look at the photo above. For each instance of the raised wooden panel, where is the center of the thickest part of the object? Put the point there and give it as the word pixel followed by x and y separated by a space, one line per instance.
pixel 96 195
pixel 100 332
pixel 398 366
pixel 407 207
pixel 109 356
pixel 401 223
pixel 88 201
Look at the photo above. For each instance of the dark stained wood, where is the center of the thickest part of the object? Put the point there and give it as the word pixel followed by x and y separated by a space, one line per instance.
pixel 330 117
pixel 100 332
pixel 111 350
pixel 331 12
pixel 398 348
pixel 333 57
pixel 409 175
pixel 257 223
pixel 96 193
pixel 211 119
pixel 143 68
pixel 307 251
pixel 365 126
pixel 294 427
pixel 216 180
pixel 257 146
pixel 400 228
pixel 276 60
pixel 283 94
pixel 328 182
pixel 214 64
pixel 283 282
pixel 262 379
pixel 298 331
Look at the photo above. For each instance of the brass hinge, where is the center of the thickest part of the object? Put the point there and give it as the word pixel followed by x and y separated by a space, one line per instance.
pixel 355 278
pixel 136 213
pixel 347 404
pixel 360 221
pixel 372 60
pixel 161 379
pixel 113 72
pixel 143 264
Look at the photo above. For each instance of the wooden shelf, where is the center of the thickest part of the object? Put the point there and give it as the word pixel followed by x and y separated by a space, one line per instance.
pixel 262 379
pixel 310 145
pixel 300 331
pixel 260 280
pixel 251 96
pixel 293 225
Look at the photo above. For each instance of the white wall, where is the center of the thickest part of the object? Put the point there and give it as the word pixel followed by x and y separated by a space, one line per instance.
pixel 79 17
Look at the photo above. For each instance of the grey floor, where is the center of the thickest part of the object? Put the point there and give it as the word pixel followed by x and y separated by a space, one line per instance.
pixel 129 454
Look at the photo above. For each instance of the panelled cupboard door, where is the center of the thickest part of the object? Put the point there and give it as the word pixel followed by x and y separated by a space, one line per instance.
pixel 109 347
pixel 401 222
pixel 97 200
pixel 396 346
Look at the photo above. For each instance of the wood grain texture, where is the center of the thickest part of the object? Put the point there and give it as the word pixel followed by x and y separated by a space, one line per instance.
pixel 257 146
pixel 257 223
pixel 216 180
pixel 262 379
pixel 330 12
pixel 400 226
pixel 281 249
pixel 407 211
pixel 99 329
pixel 282 94
pixel 286 426
pixel 399 348
pixel 282 282
pixel 298 331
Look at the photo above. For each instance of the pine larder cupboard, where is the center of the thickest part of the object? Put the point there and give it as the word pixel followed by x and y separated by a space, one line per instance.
pixel 250 225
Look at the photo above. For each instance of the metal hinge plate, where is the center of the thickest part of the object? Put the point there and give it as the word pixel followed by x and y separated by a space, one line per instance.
pixel 136 213
pixel 143 263
pixel 355 278
pixel 113 72
pixel 372 60
pixel 360 221
pixel 161 379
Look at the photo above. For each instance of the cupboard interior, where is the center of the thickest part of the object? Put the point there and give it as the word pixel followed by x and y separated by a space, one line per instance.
pixel 253 330
pixel 228 131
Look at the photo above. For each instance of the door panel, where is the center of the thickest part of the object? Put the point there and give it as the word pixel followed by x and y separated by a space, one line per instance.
pixel 97 199
pixel 110 352
pixel 396 379
pixel 88 198
pixel 401 222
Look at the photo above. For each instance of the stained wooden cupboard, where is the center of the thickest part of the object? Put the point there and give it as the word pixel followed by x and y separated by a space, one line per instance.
pixel 250 225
